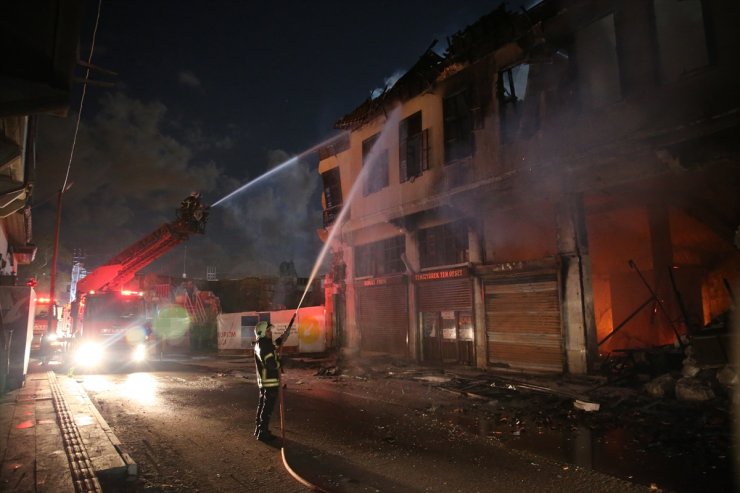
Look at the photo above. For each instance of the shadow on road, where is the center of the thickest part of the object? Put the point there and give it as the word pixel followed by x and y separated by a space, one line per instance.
pixel 334 473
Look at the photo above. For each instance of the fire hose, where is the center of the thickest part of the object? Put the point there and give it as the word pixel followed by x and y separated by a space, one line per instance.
pixel 281 398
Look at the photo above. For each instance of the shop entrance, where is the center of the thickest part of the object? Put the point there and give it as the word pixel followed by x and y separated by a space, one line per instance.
pixel 447 337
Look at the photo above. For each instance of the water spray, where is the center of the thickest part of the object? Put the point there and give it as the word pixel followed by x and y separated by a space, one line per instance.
pixel 279 167
pixel 371 162
pixel 372 159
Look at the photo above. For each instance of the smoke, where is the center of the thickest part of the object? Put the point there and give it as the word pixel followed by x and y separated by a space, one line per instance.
pixel 133 165
pixel 188 79
pixel 277 219
pixel 388 82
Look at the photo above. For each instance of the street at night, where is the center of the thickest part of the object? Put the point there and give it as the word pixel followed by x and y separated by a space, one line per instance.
pixel 388 246
pixel 375 426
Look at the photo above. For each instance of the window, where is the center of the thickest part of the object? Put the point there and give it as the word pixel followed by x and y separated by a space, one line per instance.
pixel 380 257
pixel 511 90
pixel 682 41
pixel 598 64
pixel 332 195
pixel 332 188
pixel 375 165
pixel 443 245
pixel 458 126
pixel 413 149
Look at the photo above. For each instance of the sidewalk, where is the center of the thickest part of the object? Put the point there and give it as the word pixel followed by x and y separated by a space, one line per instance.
pixel 52 439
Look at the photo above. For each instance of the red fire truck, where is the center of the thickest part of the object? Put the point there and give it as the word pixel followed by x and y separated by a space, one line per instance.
pixel 111 323
pixel 40 322
pixel 46 343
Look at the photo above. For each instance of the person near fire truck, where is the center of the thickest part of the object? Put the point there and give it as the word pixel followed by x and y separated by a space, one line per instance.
pixel 267 364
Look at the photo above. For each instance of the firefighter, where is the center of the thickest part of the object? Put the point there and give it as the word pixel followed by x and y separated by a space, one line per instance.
pixel 267 363
pixel 189 205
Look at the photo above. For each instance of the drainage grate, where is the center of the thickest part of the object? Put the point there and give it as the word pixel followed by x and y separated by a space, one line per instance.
pixel 83 474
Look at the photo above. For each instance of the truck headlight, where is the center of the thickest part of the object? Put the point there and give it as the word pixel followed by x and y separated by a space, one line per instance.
pixel 139 353
pixel 89 354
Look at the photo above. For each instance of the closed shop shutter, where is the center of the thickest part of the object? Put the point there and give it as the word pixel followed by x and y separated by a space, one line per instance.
pixel 523 322
pixel 383 318
pixel 452 294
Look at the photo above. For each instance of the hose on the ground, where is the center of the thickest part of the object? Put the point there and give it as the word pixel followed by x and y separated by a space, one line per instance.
pixel 290 470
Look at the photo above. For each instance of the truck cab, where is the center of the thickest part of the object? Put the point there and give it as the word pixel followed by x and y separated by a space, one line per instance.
pixel 116 328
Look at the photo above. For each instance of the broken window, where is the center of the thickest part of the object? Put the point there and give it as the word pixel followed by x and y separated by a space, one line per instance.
pixel 380 257
pixel 413 149
pixel 511 90
pixel 458 126
pixel 376 162
pixel 598 63
pixel 332 195
pixel 682 41
pixel 443 245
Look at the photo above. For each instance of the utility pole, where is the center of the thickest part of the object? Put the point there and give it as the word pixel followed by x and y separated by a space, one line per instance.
pixel 51 327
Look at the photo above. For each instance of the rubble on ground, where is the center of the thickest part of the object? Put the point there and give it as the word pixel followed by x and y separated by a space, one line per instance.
pixel 654 410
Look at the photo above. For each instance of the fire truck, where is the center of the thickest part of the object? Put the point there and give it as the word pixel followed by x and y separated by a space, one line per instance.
pixel 40 321
pixel 52 339
pixel 111 323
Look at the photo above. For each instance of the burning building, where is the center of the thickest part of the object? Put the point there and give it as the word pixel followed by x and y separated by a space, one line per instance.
pixel 559 184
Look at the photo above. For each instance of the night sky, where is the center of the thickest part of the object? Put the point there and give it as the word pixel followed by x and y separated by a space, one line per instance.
pixel 208 96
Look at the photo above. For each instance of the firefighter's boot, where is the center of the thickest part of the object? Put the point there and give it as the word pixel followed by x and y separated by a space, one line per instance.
pixel 265 436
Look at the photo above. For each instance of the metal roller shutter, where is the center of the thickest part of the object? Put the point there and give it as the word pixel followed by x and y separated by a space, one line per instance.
pixel 453 294
pixel 383 318
pixel 523 322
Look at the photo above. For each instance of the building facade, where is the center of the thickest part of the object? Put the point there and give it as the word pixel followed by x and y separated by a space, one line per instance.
pixel 38 54
pixel 557 185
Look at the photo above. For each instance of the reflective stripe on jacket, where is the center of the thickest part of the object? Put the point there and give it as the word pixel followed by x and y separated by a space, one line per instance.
pixel 267 363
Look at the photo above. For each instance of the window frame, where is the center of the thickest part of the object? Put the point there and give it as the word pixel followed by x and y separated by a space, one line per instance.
pixel 444 244
pixel 662 50
pixel 375 178
pixel 591 79
pixel 413 150
pixel 380 258
pixel 457 118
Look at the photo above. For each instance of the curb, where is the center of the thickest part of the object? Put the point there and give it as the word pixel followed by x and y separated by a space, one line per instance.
pixel 83 475
pixel 88 439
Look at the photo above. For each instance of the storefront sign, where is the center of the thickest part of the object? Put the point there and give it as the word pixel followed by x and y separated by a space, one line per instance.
pixel 380 281
pixel 441 274
pixel 375 282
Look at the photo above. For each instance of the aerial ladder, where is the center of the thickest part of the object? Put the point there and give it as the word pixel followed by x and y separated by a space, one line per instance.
pixel 107 316
pixel 117 272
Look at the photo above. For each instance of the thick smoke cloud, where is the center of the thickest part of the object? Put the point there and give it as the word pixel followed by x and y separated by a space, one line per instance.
pixel 133 165
pixel 277 218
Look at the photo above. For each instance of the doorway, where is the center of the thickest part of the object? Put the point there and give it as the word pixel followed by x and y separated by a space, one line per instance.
pixel 447 337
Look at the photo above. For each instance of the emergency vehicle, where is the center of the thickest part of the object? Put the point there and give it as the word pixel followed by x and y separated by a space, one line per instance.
pixel 111 323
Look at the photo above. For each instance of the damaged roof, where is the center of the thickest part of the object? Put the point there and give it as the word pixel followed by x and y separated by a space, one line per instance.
pixel 464 47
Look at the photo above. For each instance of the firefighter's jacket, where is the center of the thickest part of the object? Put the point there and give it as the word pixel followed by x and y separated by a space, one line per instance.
pixel 267 362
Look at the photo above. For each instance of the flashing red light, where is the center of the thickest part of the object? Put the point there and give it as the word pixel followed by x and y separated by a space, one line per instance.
pixel 128 292
pixel 43 300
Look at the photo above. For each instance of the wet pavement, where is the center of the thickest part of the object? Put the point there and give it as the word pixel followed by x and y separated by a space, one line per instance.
pixel 379 424
pixel 54 440
pixel 664 443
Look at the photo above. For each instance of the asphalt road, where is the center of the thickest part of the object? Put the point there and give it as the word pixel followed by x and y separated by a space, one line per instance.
pixel 190 429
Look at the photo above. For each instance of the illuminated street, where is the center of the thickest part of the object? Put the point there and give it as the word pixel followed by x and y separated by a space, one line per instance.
pixel 417 246
pixel 189 428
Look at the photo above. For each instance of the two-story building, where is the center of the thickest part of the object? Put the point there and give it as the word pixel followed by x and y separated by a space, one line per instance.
pixel 560 183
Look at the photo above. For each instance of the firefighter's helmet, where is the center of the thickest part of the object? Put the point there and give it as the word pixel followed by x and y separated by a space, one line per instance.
pixel 260 330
